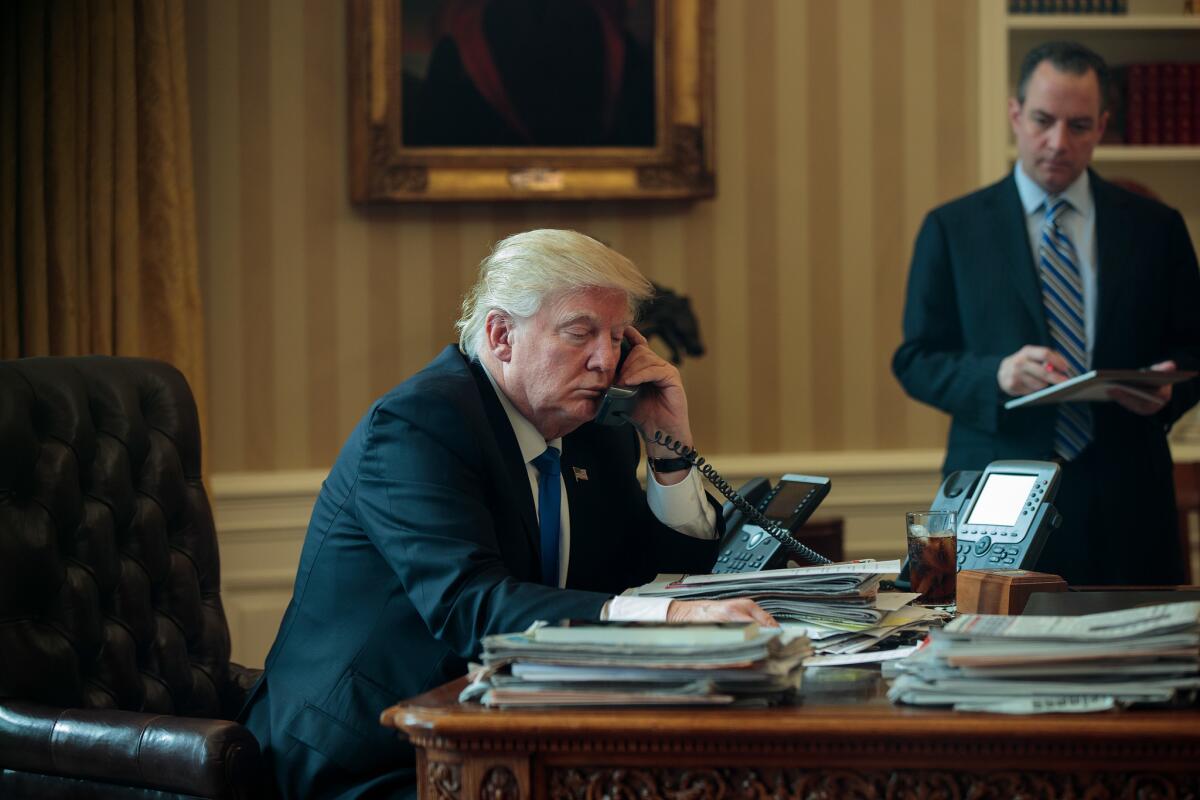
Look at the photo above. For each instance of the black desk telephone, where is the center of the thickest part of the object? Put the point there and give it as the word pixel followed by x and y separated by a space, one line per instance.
pixel 1004 514
pixel 748 547
pixel 764 541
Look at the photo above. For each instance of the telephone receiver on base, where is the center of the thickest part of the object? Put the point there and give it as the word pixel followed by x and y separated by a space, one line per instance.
pixel 1004 514
pixel 764 541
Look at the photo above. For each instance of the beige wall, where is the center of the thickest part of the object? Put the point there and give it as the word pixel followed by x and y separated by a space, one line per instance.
pixel 839 124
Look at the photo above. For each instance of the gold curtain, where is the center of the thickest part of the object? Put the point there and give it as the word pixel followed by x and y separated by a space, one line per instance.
pixel 97 213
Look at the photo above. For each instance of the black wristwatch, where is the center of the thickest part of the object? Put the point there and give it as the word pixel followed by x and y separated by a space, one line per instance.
pixel 669 464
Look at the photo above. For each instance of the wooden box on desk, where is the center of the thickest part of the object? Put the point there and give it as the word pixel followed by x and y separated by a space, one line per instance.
pixel 1002 591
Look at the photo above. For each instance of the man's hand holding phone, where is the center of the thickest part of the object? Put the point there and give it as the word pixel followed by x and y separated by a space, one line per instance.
pixel 662 402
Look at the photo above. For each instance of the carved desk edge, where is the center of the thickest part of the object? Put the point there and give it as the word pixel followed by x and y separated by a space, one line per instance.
pixel 871 734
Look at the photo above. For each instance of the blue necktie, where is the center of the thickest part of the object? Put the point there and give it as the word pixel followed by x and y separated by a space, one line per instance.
pixel 1062 294
pixel 549 505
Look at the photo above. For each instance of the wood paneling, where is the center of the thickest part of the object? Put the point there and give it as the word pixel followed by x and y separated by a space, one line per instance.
pixel 839 124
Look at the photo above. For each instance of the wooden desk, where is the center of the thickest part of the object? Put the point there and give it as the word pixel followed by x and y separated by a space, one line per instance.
pixel 844 741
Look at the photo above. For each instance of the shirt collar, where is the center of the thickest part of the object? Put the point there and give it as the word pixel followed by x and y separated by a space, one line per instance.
pixel 1033 197
pixel 528 439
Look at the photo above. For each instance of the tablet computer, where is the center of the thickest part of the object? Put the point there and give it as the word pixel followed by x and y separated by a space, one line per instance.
pixel 1093 386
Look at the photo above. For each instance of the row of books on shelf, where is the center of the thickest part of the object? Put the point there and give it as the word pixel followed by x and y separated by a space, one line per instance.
pixel 1155 103
pixel 1068 6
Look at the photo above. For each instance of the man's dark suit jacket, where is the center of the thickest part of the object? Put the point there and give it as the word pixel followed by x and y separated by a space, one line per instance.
pixel 974 297
pixel 423 540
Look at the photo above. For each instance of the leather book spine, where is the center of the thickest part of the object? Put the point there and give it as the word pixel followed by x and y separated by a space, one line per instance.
pixel 1196 103
pixel 1184 101
pixel 1153 115
pixel 1135 104
pixel 1169 103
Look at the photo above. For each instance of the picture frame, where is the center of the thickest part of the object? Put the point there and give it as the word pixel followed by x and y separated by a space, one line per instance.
pixel 407 150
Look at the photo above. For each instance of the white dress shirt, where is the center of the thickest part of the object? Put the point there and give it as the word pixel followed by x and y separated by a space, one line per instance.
pixel 1079 223
pixel 683 506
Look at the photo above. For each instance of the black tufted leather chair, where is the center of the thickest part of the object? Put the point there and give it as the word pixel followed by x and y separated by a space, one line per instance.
pixel 115 678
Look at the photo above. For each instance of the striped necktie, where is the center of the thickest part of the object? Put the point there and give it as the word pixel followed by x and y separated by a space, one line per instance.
pixel 1062 294
pixel 549 510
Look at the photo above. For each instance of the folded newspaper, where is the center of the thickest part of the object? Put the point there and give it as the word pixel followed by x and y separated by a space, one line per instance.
pixel 638 664
pixel 1037 664
pixel 839 595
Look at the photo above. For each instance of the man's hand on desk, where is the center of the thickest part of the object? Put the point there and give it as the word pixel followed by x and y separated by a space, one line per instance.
pixel 739 609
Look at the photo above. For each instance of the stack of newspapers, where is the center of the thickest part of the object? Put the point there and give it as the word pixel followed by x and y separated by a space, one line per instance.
pixel 841 596
pixel 892 637
pixel 1033 664
pixel 637 664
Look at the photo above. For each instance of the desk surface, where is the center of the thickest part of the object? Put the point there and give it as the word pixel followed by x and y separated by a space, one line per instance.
pixel 844 738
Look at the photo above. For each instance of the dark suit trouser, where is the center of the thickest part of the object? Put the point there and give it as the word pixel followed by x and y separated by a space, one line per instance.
pixel 313 776
pixel 1110 536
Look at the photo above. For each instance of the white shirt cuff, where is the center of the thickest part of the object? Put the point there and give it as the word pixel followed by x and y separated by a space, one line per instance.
pixel 683 506
pixel 636 609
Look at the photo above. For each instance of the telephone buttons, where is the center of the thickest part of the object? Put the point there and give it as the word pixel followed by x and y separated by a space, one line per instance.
pixel 982 545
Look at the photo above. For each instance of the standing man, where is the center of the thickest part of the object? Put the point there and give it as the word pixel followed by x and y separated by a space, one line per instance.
pixel 475 498
pixel 1048 273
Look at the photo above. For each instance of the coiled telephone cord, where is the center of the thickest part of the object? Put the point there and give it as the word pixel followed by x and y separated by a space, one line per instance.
pixel 798 550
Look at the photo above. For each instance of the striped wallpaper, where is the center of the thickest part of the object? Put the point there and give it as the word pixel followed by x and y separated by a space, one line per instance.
pixel 839 124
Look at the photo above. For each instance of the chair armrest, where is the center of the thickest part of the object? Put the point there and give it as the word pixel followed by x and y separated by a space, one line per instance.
pixel 204 757
pixel 237 688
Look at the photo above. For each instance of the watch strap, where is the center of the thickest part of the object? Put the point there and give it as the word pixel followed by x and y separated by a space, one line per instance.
pixel 669 464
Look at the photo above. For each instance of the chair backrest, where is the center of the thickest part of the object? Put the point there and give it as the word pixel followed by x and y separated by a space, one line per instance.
pixel 109 572
pixel 1187 502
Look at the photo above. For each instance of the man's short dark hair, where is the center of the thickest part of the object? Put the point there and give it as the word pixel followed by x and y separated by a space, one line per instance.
pixel 1069 57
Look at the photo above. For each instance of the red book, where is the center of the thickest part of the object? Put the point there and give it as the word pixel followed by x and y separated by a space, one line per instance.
pixel 1196 103
pixel 1168 86
pixel 1185 91
pixel 1153 114
pixel 1135 104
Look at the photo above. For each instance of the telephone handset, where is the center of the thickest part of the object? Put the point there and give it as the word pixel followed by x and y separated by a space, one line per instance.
pixel 614 410
pixel 617 403
pixel 1004 513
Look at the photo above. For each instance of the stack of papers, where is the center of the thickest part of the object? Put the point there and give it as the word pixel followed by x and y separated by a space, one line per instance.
pixel 1024 665
pixel 884 641
pixel 841 596
pixel 638 663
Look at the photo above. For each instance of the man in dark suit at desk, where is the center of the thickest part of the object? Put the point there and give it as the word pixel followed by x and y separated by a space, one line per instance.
pixel 475 498
pixel 1050 272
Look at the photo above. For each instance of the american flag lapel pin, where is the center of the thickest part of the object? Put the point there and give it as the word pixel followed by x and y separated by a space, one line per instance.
pixel 580 473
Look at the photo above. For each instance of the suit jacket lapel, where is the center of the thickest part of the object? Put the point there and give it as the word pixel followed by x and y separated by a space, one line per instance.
pixel 1017 252
pixel 1114 250
pixel 576 505
pixel 514 466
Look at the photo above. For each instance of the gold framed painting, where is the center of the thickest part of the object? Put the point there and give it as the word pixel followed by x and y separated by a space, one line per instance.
pixel 459 100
